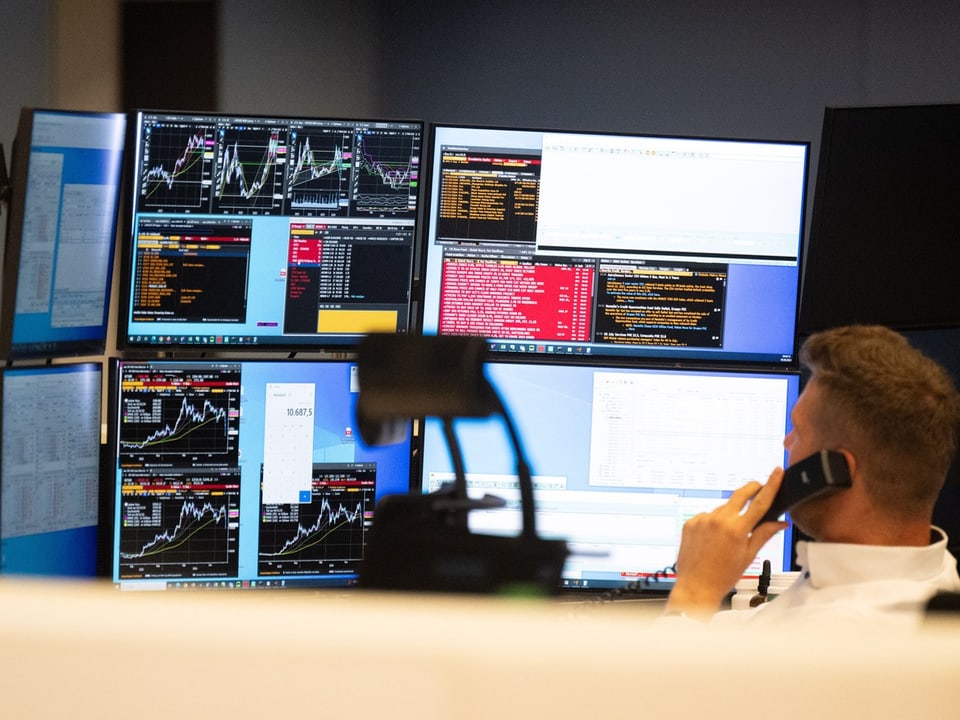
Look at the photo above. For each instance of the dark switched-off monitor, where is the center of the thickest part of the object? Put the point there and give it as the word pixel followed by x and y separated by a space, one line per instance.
pixel 268 232
pixel 241 474
pixel 615 245
pixel 61 233
pixel 621 458
pixel 885 219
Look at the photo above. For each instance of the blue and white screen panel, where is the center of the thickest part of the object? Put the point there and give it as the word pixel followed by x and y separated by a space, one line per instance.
pixel 584 245
pixel 243 474
pixel 621 458
pixel 268 232
pixel 49 506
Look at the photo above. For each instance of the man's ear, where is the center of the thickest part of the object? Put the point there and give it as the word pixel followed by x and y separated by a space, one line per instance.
pixel 851 462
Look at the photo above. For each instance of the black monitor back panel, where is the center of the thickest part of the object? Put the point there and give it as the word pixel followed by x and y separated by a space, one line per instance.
pixel 885 220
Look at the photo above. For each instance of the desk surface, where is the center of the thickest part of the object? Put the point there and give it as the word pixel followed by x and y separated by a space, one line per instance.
pixel 81 650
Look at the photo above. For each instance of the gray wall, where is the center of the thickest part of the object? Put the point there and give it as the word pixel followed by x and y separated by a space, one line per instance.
pixel 751 68
pixel 300 57
pixel 24 62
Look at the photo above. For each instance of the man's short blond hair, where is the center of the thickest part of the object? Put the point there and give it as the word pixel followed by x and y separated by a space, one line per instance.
pixel 895 408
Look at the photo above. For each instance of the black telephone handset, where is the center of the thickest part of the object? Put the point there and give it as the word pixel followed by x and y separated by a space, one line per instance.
pixel 820 474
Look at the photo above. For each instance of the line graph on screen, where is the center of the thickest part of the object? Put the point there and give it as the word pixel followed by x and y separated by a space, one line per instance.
pixel 176 168
pixel 318 172
pixel 247 175
pixel 176 525
pixel 176 426
pixel 328 530
pixel 386 171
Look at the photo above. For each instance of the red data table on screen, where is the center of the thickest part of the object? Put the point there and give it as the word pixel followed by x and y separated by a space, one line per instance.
pixel 516 299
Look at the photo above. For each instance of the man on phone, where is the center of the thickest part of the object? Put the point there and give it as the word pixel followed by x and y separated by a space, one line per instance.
pixel 894 414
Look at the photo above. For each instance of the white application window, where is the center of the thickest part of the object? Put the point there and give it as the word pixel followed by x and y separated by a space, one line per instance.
pixel 685 432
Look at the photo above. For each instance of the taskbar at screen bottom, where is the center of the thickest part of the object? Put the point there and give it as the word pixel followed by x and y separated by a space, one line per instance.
pixel 597 352
pixel 240 584
pixel 643 585
pixel 264 342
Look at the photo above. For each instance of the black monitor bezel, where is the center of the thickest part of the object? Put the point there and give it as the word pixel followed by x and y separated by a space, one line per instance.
pixel 274 343
pixel 108 462
pixel 4 177
pixel 428 206
pixel 659 581
pixel 19 173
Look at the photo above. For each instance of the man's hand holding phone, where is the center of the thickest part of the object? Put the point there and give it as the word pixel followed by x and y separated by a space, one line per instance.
pixel 717 547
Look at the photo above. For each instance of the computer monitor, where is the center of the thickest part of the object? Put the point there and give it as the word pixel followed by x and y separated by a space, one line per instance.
pixel 61 233
pixel 49 486
pixel 885 219
pixel 241 474
pixel 275 232
pixel 621 457
pixel 615 245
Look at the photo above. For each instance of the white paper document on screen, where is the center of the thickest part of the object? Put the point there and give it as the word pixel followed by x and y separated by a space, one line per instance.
pixel 611 193
pixel 288 442
pixel 85 241
pixel 692 432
